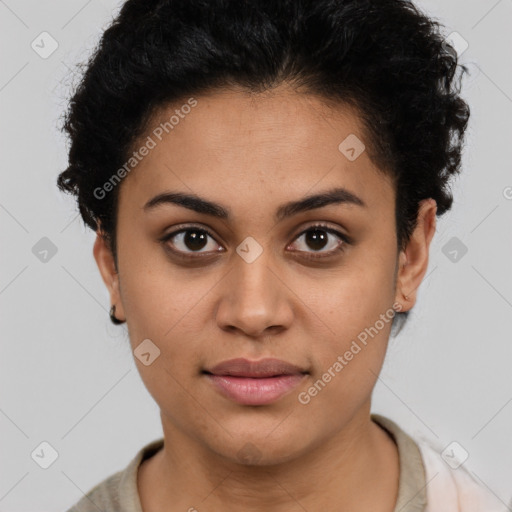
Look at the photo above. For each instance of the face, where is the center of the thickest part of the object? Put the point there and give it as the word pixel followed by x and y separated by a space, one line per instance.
pixel 305 284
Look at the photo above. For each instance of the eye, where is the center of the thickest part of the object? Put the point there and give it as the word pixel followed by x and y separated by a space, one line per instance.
pixel 192 240
pixel 318 237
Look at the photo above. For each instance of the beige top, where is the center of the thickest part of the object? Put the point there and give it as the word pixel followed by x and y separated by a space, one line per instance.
pixel 119 491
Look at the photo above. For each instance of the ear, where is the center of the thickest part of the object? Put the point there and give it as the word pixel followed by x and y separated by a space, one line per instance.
pixel 106 265
pixel 413 261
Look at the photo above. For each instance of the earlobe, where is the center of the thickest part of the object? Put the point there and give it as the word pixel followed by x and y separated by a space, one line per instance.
pixel 413 261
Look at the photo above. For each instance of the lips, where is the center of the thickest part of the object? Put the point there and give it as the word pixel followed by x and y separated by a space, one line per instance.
pixel 256 369
pixel 255 382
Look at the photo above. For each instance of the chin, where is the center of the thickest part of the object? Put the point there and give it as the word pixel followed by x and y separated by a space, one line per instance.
pixel 260 448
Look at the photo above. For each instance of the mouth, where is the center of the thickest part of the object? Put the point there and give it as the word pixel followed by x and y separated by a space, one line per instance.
pixel 255 382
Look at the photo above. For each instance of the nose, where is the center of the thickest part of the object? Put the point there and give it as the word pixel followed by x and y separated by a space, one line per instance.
pixel 254 299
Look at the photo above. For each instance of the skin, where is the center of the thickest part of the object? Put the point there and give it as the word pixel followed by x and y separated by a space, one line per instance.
pixel 252 153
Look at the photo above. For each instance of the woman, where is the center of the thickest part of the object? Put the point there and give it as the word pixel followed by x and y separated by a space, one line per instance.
pixel 264 179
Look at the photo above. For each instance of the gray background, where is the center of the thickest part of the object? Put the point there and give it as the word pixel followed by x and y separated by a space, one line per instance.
pixel 67 375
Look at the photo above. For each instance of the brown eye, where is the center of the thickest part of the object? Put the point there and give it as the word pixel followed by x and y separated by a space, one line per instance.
pixel 195 240
pixel 317 238
pixel 191 240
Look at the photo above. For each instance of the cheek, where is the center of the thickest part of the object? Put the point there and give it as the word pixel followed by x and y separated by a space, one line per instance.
pixel 348 362
pixel 157 295
pixel 356 316
pixel 179 338
pixel 169 307
pixel 170 314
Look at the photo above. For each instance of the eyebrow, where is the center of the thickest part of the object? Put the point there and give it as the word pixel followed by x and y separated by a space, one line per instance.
pixel 198 204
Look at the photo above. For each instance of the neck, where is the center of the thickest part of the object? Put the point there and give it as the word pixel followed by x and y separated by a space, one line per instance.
pixel 356 469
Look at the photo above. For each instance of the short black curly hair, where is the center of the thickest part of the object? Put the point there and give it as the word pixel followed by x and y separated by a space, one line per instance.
pixel 387 58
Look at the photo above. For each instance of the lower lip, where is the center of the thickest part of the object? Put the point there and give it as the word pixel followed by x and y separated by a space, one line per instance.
pixel 251 391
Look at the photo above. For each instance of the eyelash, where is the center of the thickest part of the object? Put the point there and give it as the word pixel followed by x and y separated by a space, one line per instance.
pixel 322 227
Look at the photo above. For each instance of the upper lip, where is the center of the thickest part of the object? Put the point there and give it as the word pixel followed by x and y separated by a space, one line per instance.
pixel 268 367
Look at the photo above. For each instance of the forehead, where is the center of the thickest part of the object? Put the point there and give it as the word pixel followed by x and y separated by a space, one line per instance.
pixel 255 147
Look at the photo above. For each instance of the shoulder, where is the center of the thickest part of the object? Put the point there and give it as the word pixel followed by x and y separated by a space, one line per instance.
pixel 103 496
pixel 433 480
pixel 119 491
pixel 453 484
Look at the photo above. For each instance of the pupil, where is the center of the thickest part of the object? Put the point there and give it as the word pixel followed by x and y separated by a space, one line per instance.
pixel 316 239
pixel 195 240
